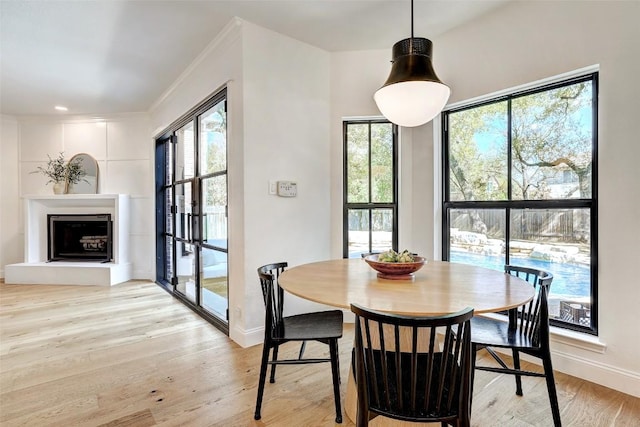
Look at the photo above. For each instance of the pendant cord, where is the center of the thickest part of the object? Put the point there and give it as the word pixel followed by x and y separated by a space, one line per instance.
pixel 411 19
pixel 411 39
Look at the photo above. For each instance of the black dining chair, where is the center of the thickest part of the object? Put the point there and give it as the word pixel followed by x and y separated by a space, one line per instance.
pixel 402 373
pixel 322 326
pixel 527 331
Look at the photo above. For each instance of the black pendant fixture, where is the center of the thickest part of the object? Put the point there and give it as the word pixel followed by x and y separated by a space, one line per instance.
pixel 413 94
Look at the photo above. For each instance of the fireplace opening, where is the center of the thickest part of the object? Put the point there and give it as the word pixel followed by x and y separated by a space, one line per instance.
pixel 80 237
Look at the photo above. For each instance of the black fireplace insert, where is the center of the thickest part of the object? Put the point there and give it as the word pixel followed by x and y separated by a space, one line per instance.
pixel 79 237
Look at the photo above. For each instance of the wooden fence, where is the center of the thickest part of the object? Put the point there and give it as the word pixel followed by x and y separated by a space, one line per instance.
pixel 557 225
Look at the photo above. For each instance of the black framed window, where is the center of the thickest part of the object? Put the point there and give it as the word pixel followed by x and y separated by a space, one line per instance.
pixel 520 187
pixel 370 214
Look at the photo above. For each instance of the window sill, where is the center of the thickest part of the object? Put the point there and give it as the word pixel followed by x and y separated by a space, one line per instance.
pixel 566 337
pixel 577 339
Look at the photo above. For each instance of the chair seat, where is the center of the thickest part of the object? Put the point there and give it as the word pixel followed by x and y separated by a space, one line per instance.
pixel 313 326
pixel 488 332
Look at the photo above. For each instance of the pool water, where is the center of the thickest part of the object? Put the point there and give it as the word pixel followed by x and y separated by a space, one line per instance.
pixel 571 280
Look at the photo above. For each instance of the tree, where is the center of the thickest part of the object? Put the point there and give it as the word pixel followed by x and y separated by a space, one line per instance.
pixel 552 134
pixel 381 163
pixel 358 163
pixel 369 159
pixel 477 161
pixel 214 153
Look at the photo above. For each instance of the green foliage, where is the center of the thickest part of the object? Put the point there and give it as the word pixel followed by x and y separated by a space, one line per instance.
pixel 214 136
pixel 369 162
pixel 59 171
pixel 477 174
pixel 214 153
pixel 381 163
pixel 550 138
pixel 75 173
pixel 358 163
pixel 550 135
pixel 393 256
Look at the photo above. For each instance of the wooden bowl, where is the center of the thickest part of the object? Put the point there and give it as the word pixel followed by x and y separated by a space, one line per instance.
pixel 395 270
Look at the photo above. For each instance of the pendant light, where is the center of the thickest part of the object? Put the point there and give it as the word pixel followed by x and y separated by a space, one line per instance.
pixel 413 94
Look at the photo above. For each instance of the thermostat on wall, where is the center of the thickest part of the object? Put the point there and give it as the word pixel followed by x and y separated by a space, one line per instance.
pixel 287 189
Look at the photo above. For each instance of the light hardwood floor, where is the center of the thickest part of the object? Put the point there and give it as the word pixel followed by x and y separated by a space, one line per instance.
pixel 131 355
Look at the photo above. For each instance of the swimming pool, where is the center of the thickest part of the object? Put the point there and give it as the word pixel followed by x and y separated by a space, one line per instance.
pixel 569 280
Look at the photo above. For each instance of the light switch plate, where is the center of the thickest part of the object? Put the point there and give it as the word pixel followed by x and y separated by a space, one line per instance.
pixel 287 189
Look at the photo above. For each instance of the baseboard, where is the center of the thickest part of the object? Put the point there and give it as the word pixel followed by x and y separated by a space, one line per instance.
pixel 622 380
pixel 600 373
pixel 143 274
pixel 247 338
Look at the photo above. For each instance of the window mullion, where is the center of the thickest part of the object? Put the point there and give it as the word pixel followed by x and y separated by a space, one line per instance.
pixel 369 166
pixel 509 150
pixel 507 236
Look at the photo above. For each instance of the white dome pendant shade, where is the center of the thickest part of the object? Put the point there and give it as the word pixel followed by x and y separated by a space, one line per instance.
pixel 411 104
pixel 413 94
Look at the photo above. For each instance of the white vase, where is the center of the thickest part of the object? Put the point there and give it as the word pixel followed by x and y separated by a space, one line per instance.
pixel 58 188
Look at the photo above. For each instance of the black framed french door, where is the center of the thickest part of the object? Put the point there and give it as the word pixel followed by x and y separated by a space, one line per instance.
pixel 191 214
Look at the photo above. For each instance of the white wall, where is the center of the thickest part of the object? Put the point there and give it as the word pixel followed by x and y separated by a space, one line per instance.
pixel 352 87
pixel 11 243
pixel 122 146
pixel 286 137
pixel 518 44
pixel 277 90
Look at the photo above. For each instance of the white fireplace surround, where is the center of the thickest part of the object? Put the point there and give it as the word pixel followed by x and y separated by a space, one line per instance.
pixel 36 270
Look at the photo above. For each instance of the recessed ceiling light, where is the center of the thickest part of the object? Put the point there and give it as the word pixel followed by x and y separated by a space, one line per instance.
pixel 61 108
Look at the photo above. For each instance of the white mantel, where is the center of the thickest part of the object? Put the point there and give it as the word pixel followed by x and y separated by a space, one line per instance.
pixel 36 270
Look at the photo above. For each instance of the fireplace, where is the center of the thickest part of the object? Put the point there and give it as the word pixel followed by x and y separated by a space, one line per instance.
pixel 79 237
pixel 108 268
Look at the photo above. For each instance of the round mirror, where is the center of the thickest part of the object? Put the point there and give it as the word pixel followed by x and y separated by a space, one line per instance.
pixel 89 183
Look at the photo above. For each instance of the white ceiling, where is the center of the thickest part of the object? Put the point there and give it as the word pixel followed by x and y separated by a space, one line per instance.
pixel 114 56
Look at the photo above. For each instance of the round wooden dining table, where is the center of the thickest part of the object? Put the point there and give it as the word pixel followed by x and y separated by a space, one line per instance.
pixel 439 287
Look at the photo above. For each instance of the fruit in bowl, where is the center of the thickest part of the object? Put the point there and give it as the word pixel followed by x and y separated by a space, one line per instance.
pixel 395 266
pixel 393 256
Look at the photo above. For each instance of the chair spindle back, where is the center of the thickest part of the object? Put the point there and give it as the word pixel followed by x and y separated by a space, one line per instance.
pixel 532 318
pixel 403 371
pixel 273 296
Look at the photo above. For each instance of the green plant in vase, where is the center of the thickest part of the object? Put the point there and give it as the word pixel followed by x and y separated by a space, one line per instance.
pixel 61 173
pixel 75 172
